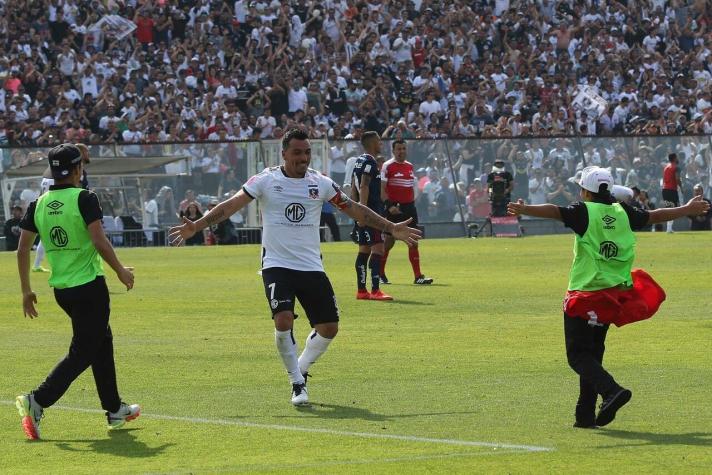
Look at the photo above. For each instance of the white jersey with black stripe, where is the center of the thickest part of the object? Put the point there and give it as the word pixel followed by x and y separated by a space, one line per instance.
pixel 46 183
pixel 291 211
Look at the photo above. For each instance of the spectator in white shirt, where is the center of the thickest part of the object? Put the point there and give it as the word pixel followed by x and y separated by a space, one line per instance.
pixel 66 60
pixel 430 106
pixel 226 89
pixel 89 83
pixel 297 97
pixel 132 134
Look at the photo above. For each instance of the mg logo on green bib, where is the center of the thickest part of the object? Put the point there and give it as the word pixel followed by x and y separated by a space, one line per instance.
pixel 58 236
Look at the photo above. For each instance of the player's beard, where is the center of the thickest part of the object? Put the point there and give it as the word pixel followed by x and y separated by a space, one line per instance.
pixel 301 167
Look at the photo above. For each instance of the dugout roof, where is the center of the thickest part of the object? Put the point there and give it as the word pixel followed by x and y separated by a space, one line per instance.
pixel 101 166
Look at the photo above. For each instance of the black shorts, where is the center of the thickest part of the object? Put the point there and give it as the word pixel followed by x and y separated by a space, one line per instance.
pixel 311 288
pixel 671 197
pixel 366 236
pixel 408 210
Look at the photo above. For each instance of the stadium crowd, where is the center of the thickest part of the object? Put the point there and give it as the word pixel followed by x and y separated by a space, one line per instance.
pixel 212 70
pixel 206 70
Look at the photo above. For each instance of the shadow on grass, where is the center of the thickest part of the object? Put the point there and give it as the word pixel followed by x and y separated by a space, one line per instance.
pixel 121 443
pixel 701 439
pixel 409 302
pixel 333 411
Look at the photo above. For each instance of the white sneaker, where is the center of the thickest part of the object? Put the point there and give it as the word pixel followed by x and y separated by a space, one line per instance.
pixel 125 414
pixel 299 394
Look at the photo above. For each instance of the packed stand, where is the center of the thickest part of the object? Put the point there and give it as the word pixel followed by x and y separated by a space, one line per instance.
pixel 237 70
pixel 454 176
pixel 221 71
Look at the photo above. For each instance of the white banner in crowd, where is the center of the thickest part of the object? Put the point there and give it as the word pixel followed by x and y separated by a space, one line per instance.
pixel 114 27
pixel 589 101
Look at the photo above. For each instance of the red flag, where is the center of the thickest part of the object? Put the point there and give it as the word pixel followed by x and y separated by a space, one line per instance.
pixel 615 305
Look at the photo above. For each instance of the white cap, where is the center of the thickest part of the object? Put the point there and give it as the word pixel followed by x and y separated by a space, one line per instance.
pixel 593 177
pixel 622 193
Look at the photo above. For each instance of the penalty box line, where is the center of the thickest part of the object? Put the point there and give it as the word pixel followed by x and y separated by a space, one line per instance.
pixel 317 430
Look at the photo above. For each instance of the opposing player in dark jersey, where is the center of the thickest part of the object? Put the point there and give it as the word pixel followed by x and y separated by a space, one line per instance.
pixel 291 198
pixel 367 190
pixel 398 194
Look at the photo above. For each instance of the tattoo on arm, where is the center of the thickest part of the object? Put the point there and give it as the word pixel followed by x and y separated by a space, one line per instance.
pixel 214 217
pixel 373 220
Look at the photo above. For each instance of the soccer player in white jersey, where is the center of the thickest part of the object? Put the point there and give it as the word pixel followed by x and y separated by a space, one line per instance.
pixel 291 197
pixel 39 255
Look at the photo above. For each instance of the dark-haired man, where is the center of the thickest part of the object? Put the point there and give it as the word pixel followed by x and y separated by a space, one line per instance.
pixel 367 190
pixel 398 194
pixel 671 183
pixel 69 222
pixel 291 198
pixel 12 229
pixel 702 222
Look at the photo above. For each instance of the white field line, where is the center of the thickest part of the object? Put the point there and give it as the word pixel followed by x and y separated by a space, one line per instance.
pixel 316 430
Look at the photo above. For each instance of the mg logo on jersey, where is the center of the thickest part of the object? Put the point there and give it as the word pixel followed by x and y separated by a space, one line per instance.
pixel 295 212
pixel 608 250
pixel 58 236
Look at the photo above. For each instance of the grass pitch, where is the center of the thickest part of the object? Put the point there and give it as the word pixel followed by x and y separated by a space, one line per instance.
pixel 468 375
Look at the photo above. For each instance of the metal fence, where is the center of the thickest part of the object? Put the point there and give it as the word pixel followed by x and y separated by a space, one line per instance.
pixel 452 173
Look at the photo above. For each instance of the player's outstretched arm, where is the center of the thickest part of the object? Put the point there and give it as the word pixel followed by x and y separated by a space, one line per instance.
pixel 177 235
pixel 367 217
pixel 695 207
pixel 29 299
pixel 548 211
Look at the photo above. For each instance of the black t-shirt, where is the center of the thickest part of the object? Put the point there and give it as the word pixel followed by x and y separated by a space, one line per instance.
pixel 89 207
pixel 499 182
pixel 575 217
pixel 224 232
pixel 701 223
pixel 279 102
pixel 12 236
pixel 336 100
pixel 379 70
pixel 405 99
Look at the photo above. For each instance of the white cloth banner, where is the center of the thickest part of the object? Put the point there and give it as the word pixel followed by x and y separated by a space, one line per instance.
pixel 114 27
pixel 587 100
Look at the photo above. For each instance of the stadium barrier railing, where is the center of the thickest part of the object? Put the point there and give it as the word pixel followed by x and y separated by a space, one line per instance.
pixel 203 167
